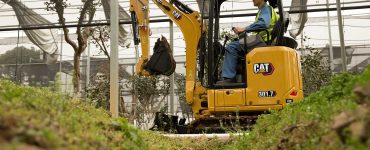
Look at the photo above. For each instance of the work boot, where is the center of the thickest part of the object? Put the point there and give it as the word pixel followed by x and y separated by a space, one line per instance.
pixel 225 81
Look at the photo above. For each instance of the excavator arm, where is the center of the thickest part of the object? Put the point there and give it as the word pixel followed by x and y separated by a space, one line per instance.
pixel 140 26
pixel 188 21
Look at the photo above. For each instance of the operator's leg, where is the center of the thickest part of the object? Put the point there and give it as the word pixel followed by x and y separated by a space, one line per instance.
pixel 232 54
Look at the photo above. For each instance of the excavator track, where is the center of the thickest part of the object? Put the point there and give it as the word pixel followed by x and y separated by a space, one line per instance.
pixel 219 124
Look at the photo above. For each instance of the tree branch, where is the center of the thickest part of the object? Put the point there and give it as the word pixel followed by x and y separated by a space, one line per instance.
pixel 82 37
pixel 59 8
pixel 105 48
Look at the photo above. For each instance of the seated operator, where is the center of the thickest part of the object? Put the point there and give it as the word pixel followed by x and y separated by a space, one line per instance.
pixel 265 19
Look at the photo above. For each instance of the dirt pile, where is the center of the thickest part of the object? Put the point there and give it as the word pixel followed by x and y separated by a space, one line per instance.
pixel 352 127
pixel 40 119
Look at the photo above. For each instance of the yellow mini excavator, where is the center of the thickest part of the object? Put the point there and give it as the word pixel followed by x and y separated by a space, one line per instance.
pixel 268 77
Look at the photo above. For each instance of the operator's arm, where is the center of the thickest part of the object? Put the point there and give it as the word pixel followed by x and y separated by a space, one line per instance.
pixel 263 21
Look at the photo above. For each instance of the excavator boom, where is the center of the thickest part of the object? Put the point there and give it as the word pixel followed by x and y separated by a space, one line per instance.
pixel 187 20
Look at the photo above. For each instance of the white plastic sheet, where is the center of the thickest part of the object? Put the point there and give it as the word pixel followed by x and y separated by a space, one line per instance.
pixel 297 21
pixel 125 36
pixel 42 38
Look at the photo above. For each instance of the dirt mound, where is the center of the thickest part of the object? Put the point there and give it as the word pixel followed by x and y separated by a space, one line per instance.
pixel 34 118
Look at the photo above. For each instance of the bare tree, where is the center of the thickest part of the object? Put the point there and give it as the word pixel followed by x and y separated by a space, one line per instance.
pixel 87 10
pixel 100 38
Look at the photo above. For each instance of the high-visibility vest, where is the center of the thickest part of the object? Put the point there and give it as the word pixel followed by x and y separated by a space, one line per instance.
pixel 274 19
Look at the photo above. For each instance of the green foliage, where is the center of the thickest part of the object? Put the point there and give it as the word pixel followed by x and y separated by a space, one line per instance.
pixel 302 125
pixel 148 88
pixel 39 118
pixel 98 94
pixel 57 85
pixel 315 71
pixel 149 93
pixel 20 55
pixel 98 90
pixel 180 84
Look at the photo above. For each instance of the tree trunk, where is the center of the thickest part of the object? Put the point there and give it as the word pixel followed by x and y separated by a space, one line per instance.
pixel 76 75
pixel 133 109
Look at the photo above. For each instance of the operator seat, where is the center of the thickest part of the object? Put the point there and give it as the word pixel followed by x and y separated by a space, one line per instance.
pixel 274 41
pixel 279 30
pixel 276 31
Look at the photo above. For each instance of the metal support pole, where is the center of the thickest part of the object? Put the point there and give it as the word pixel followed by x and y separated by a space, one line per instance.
pixel 172 77
pixel 114 58
pixel 88 66
pixel 60 60
pixel 302 45
pixel 20 78
pixel 61 52
pixel 16 60
pixel 341 36
pixel 83 70
pixel 331 54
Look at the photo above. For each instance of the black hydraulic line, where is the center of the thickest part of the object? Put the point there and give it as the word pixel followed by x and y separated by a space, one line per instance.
pixel 33 27
pixel 134 28
pixel 202 47
pixel 181 6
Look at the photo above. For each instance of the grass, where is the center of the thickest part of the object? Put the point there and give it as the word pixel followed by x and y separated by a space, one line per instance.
pixel 307 124
pixel 35 118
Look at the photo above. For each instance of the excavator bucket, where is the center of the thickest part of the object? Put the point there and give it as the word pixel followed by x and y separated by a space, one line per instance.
pixel 162 61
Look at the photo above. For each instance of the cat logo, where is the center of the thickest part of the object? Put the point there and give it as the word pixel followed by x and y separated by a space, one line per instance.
pixel 176 15
pixel 263 68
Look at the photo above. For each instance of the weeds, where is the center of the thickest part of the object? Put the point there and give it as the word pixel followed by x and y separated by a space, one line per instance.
pixel 304 125
pixel 39 118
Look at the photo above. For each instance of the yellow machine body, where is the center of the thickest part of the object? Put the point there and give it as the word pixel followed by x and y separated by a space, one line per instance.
pixel 273 76
pixel 273 81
